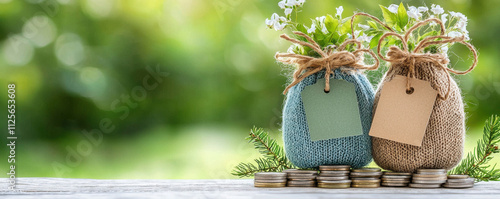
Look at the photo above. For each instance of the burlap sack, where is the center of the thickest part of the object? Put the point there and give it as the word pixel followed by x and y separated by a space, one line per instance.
pixel 443 143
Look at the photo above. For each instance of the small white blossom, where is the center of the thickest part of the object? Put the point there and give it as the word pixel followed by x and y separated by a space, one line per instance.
pixel 423 9
pixel 300 2
pixel 340 10
pixel 364 27
pixel 323 29
pixel 437 9
pixel 312 29
pixel 444 18
pixel 281 4
pixel 444 49
pixel 413 12
pixel 393 8
pixel 356 33
pixel 462 25
pixel 349 35
pixel 321 19
pixel 279 26
pixel 365 38
pixel 274 22
pixel 291 3
pixel 288 11
pixel 459 15
pixel 454 34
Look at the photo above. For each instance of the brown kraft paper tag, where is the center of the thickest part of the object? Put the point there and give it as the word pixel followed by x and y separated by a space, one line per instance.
pixel 403 116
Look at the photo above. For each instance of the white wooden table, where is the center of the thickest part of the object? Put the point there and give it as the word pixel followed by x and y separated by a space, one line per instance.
pixel 95 189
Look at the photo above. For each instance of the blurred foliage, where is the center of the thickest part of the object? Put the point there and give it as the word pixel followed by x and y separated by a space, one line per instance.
pixel 71 60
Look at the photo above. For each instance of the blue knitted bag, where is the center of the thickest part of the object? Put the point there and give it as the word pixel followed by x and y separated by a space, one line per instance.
pixel 304 153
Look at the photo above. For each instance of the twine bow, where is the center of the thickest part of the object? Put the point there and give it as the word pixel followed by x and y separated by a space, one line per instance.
pixel 329 59
pixel 407 58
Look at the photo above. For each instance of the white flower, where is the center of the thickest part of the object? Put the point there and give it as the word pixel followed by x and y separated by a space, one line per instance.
pixel 291 3
pixel 444 49
pixel 413 12
pixel 312 29
pixel 459 15
pixel 454 34
pixel 365 38
pixel 423 9
pixel 281 4
pixel 274 22
pixel 300 2
pixel 279 26
pixel 288 11
pixel 462 25
pixel 356 33
pixel 364 27
pixel 393 8
pixel 444 18
pixel 437 9
pixel 340 9
pixel 323 29
pixel 349 35
pixel 321 19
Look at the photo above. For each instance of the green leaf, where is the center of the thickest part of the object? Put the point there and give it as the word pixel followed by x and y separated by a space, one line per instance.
pixel 375 39
pixel 346 27
pixel 341 39
pixel 302 28
pixel 402 16
pixel 390 18
pixel 331 23
pixel 373 25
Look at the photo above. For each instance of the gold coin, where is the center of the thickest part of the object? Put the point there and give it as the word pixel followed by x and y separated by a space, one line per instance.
pixel 269 181
pixel 334 186
pixel 270 185
pixel 390 173
pixel 365 185
pixel 386 184
pixel 396 181
pixel 425 186
pixel 366 170
pixel 429 175
pixel 334 167
pixel 334 172
pixel 431 171
pixel 299 171
pixel 458 176
pixel 366 181
pixel 396 177
pixel 304 183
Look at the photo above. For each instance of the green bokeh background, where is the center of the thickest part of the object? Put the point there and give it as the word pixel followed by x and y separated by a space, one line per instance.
pixel 73 59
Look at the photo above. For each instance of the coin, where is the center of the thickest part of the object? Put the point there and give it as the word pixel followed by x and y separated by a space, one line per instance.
pixel 458 186
pixel 431 171
pixel 334 186
pixel 357 181
pixel 270 175
pixel 334 167
pixel 269 181
pixel 269 185
pixel 365 185
pixel 302 178
pixel 334 172
pixel 336 181
pixel 396 181
pixel 299 171
pixel 396 177
pixel 366 170
pixel 331 178
pixel 429 181
pixel 424 186
pixel 420 178
pixel 464 180
pixel 458 176
pixel 308 183
pixel 429 175
pixel 366 174
pixel 387 184
pixel 364 178
pixel 390 173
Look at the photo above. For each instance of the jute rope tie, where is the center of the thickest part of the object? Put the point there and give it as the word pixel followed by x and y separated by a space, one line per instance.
pixel 406 58
pixel 329 60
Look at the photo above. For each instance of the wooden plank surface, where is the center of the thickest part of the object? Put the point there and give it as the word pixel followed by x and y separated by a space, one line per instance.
pixel 241 188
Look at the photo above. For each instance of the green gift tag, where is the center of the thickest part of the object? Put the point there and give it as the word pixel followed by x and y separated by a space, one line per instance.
pixel 334 114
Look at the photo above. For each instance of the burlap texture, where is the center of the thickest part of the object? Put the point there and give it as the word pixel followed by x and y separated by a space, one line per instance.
pixel 443 143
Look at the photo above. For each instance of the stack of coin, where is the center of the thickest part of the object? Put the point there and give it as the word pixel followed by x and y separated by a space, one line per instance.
pixel 301 178
pixel 459 182
pixel 270 179
pixel 395 179
pixel 334 176
pixel 428 178
pixel 366 177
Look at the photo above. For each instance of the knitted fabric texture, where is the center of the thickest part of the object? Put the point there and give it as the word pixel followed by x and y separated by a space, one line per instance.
pixel 443 142
pixel 304 153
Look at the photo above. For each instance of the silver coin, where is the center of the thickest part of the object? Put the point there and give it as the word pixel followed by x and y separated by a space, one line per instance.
pixel 429 181
pixel 431 171
pixel 390 173
pixel 458 186
pixel 269 180
pixel 419 175
pixel 367 169
pixel 425 186
pixel 270 174
pixel 364 178
pixel 426 179
pixel 387 184
pixel 396 177
pixel 302 178
pixel 366 174
pixel 299 171
pixel 333 175
pixel 465 180
pixel 306 182
pixel 334 172
pixel 334 167
pixel 336 181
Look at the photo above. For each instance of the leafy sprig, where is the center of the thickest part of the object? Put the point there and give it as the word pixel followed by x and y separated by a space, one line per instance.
pixel 476 163
pixel 274 158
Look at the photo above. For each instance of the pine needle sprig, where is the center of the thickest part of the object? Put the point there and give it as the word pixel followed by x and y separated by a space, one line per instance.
pixel 476 162
pixel 274 158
